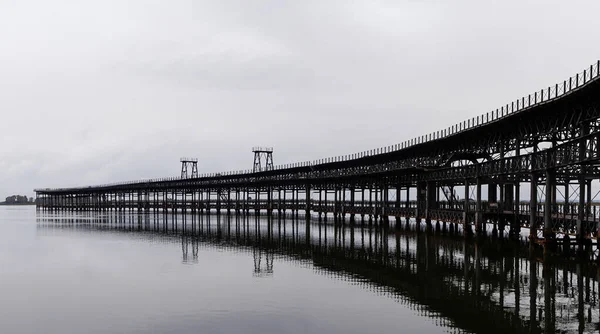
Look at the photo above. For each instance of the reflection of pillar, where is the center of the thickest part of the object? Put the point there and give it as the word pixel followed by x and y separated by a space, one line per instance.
pixel 466 267
pixel 352 240
pixel 580 315
pixel 195 250
pixel 407 260
pixel 260 268
pixel 421 255
pixel 427 257
pixel 397 250
pixel 517 281
pixel 384 244
pixel 532 294
pixel 502 277
pixel 184 249
pixel 549 290
pixel 477 285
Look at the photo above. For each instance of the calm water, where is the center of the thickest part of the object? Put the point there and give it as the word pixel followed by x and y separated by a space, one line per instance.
pixel 130 273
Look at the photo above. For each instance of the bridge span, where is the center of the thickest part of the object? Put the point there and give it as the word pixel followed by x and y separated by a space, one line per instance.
pixel 531 163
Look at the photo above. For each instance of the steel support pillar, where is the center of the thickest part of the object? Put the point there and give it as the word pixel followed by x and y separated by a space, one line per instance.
pixel 479 228
pixel 533 208
pixel 307 203
pixel 352 202
pixel 466 219
pixel 549 203
pixel 421 201
pixel 430 202
pixel 581 212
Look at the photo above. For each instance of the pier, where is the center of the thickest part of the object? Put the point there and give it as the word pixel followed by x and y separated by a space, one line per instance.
pixel 531 165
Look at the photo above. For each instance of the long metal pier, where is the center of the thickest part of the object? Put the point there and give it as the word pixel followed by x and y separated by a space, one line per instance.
pixel 531 163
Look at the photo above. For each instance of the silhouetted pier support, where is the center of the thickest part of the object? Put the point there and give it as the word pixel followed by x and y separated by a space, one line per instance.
pixel 421 201
pixel 307 204
pixel 352 202
pixel 533 207
pixel 549 204
pixel 479 227
pixel 466 216
pixel 581 212
pixel 430 203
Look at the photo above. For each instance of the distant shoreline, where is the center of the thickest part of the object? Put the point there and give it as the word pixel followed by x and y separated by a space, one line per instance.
pixel 15 204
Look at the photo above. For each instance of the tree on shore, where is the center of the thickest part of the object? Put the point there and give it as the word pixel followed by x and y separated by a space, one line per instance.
pixel 17 199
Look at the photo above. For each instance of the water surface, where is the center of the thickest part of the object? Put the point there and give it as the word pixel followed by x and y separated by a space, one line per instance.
pixel 70 272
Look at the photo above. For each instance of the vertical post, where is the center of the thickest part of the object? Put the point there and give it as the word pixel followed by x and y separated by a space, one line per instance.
pixel 493 202
pixel 352 194
pixel 549 203
pixel 581 211
pixel 343 202
pixel 284 201
pixel 508 199
pixel 376 203
pixel 370 201
pixel 566 205
pixel 297 204
pixel 307 203
pixel 533 208
pixel 398 204
pixel 479 229
pixel 269 201
pixel 320 202
pixel 466 223
pixel 429 203
pixel 362 203
pixel 335 204
pixel 421 201
pixel 384 206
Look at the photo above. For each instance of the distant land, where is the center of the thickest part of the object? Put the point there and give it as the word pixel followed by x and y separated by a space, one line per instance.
pixel 18 200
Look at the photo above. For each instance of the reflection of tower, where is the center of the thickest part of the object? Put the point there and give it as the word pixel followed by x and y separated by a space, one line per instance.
pixel 184 249
pixel 195 250
pixel 185 243
pixel 186 165
pixel 261 153
pixel 262 269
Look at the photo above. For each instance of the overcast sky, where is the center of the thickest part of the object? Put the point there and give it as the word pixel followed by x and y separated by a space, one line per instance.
pixel 103 91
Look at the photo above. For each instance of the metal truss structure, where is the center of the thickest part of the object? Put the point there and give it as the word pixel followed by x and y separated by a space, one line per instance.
pixel 262 154
pixel 186 165
pixel 471 174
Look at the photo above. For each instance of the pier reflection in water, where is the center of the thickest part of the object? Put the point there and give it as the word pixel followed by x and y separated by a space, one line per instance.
pixel 458 285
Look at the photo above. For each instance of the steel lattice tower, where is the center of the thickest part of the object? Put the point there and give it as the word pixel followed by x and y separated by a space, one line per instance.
pixel 186 163
pixel 261 153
